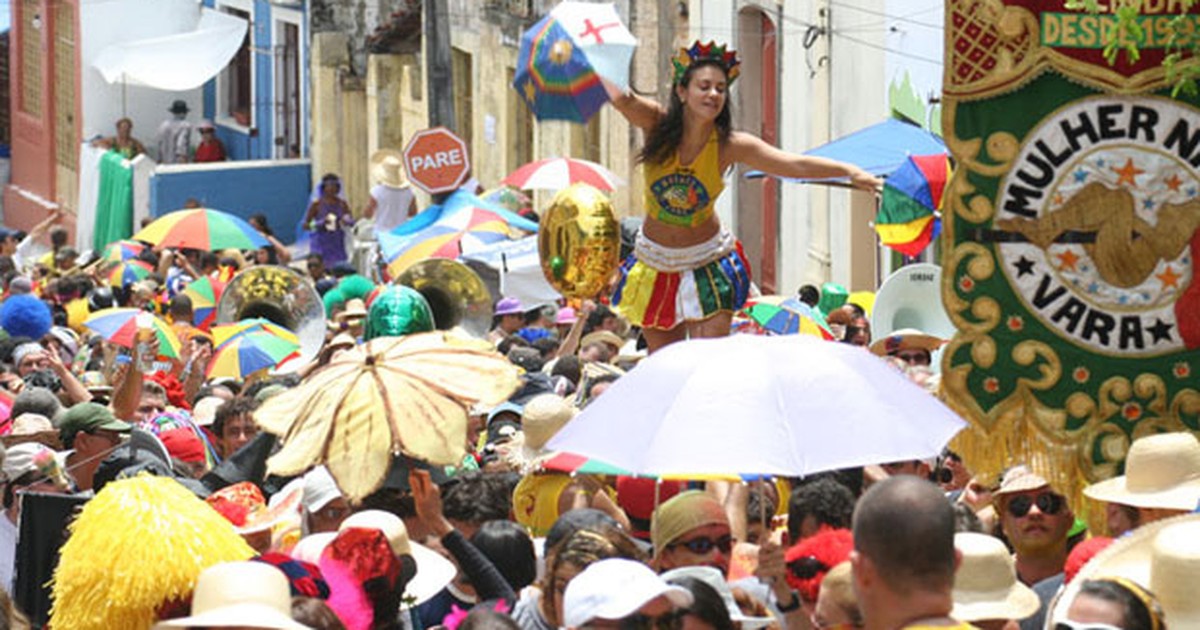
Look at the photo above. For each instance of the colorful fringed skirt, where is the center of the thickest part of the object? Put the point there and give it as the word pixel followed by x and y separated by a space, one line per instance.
pixel 662 287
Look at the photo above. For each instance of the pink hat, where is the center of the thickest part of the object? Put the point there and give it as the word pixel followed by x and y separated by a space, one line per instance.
pixel 566 316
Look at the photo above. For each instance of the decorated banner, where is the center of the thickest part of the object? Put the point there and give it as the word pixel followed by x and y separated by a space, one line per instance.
pixel 1072 226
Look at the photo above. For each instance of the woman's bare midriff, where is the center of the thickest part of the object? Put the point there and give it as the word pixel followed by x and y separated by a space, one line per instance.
pixel 678 236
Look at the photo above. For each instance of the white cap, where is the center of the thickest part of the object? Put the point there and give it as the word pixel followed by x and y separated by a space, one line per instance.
pixel 614 589
pixel 319 489
pixel 716 580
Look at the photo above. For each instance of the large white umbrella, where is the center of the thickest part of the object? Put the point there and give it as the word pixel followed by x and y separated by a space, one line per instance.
pixel 747 404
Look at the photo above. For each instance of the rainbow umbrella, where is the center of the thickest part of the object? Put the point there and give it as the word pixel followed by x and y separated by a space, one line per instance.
pixel 121 326
pixel 201 228
pixel 227 332
pixel 908 217
pixel 461 230
pixel 781 315
pixel 250 352
pixel 120 251
pixel 565 55
pixel 128 272
pixel 204 293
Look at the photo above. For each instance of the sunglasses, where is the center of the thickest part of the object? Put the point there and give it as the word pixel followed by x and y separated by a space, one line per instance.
pixel 807 568
pixel 1082 625
pixel 667 621
pixel 701 546
pixel 1047 503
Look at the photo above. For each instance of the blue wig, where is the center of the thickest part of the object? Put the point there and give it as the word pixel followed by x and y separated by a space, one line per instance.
pixel 25 316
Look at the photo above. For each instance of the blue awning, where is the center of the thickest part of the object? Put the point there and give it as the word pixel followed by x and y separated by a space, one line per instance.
pixel 878 149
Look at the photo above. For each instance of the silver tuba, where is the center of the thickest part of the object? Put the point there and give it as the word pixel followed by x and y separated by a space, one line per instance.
pixel 456 294
pixel 912 298
pixel 281 295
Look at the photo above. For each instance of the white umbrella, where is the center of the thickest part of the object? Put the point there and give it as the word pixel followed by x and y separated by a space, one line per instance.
pixel 746 404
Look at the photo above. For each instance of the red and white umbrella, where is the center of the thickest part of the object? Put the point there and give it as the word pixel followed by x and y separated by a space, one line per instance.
pixel 558 173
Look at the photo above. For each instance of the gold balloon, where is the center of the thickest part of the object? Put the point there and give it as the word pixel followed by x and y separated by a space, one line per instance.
pixel 579 242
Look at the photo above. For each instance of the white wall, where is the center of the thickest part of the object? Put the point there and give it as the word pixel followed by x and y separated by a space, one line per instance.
pixel 103 22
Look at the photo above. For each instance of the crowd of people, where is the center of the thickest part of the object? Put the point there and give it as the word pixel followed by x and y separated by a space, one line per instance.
pixel 502 541
pixel 178 524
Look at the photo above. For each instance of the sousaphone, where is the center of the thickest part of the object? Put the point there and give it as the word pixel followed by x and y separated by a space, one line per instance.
pixel 456 294
pixel 283 296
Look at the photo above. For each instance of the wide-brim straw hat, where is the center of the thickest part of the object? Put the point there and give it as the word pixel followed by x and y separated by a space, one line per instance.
pixel 985 585
pixel 387 167
pixel 906 339
pixel 1161 471
pixel 1162 557
pixel 240 594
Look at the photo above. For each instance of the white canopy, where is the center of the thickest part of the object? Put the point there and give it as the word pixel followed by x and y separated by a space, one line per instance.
pixel 182 61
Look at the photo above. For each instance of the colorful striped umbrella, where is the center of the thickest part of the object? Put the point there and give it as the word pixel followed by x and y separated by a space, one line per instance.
pixel 558 173
pixel 227 332
pixel 465 229
pixel 121 326
pixel 250 352
pixel 565 55
pixel 201 228
pixel 784 315
pixel 128 272
pixel 908 217
pixel 204 293
pixel 119 251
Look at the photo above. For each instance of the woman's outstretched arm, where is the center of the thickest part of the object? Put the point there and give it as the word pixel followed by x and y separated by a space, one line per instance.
pixel 755 153
pixel 638 110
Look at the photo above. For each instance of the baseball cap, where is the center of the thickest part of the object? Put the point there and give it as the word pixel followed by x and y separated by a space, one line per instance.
pixel 319 489
pixel 89 416
pixel 616 588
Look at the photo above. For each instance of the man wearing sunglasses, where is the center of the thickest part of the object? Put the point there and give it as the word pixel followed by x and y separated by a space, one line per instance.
pixel 1036 520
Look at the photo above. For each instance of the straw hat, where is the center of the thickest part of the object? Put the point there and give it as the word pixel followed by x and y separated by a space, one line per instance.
pixel 354 310
pixel 387 166
pixel 541 418
pixel 985 585
pixel 1161 471
pixel 1163 556
pixel 906 339
pixel 242 594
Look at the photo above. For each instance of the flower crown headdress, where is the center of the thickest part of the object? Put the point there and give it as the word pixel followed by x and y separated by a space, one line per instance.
pixel 711 51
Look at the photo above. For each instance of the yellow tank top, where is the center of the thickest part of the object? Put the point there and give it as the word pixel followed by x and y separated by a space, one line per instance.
pixel 684 195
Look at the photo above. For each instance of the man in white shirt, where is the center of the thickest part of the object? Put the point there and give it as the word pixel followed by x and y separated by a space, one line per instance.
pixel 175 136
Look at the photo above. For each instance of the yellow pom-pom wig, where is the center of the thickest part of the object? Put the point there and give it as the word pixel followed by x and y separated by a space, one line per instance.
pixel 137 546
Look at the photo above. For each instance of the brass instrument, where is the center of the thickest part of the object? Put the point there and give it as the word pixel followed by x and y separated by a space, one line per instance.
pixel 456 294
pixel 281 295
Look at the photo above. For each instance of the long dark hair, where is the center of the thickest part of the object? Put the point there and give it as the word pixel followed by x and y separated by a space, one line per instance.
pixel 663 140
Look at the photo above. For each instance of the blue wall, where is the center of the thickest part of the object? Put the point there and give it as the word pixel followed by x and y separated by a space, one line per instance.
pixel 279 190
pixel 259 144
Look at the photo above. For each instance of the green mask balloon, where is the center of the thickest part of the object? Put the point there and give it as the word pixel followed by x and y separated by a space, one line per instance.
pixel 398 311
pixel 833 296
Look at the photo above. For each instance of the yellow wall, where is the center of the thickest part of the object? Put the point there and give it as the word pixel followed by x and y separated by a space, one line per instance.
pixel 353 117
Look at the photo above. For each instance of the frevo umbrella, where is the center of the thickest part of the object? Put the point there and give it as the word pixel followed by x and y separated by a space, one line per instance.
pixel 250 352
pixel 123 326
pixel 391 395
pixel 559 172
pixel 783 315
pixel 201 228
pixel 565 55
pixel 119 251
pixel 463 229
pixel 126 273
pixel 746 404
pixel 204 293
pixel 908 217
